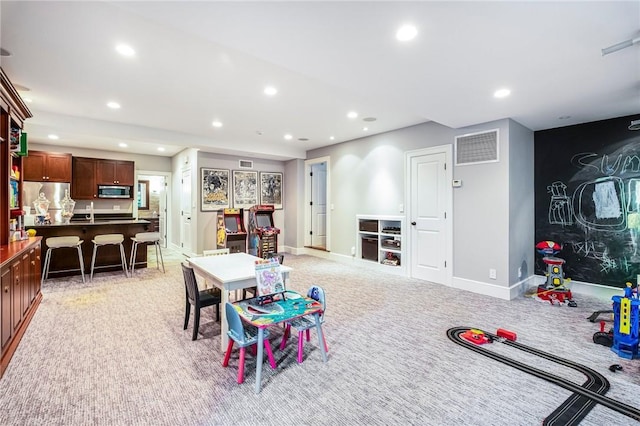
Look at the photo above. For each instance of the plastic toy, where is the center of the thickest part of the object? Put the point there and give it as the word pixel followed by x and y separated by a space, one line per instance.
pixel 625 323
pixel 475 336
pixel 554 289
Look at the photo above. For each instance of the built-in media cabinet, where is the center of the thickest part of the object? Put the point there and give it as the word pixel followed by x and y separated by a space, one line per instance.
pixel 379 240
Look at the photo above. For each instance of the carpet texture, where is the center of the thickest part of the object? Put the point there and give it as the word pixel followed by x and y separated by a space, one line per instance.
pixel 113 352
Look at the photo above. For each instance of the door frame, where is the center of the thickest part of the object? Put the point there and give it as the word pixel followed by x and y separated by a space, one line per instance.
pixel 169 210
pixel 307 200
pixel 447 150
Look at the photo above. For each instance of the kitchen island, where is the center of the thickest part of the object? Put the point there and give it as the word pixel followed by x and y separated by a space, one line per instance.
pixel 86 231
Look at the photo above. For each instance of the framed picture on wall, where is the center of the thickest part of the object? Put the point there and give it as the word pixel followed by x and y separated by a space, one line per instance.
pixel 215 189
pixel 271 189
pixel 245 189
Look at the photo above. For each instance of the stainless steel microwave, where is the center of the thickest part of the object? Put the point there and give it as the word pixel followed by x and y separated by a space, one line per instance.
pixel 112 191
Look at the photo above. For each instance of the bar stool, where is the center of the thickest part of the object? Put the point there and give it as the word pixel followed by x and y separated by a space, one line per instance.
pixel 62 242
pixel 146 238
pixel 104 240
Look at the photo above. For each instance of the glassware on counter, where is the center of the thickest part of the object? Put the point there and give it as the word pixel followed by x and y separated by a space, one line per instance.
pixel 41 205
pixel 67 205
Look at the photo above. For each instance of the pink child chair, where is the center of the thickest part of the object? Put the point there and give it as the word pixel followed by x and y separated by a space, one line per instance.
pixel 244 336
pixel 306 323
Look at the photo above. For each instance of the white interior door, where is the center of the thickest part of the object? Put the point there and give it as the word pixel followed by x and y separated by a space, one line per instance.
pixel 430 204
pixel 319 205
pixel 185 213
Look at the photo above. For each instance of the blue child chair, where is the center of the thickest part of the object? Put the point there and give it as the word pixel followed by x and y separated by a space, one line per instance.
pixel 306 323
pixel 243 336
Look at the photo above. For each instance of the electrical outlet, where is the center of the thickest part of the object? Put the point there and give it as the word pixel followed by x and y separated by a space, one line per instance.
pixel 492 274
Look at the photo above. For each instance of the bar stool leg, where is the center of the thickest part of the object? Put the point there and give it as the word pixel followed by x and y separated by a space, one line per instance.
pixel 93 259
pixel 124 261
pixel 47 259
pixel 161 259
pixel 134 252
pixel 81 259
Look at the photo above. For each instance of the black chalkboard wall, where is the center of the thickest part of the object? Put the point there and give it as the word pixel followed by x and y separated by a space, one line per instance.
pixel 587 198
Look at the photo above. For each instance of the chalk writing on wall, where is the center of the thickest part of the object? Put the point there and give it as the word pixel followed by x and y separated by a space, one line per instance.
pixel 587 196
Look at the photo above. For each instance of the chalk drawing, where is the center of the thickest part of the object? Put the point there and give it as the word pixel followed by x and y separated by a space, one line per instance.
pixel 606 201
pixel 560 207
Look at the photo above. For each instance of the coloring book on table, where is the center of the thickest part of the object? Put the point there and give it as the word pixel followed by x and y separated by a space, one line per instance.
pixel 269 277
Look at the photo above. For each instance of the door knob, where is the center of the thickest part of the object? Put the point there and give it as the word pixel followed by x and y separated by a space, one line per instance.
pixel 413 223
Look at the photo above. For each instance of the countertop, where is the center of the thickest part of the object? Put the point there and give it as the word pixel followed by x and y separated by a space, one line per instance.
pixel 84 223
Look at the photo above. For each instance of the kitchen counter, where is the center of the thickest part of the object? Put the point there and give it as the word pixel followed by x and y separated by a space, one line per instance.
pixel 65 259
pixel 97 222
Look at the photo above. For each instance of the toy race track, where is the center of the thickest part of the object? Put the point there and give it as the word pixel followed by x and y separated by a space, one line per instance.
pixel 574 408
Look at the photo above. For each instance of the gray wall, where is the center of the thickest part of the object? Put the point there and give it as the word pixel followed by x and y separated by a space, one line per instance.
pixel 521 202
pixel 492 222
pixel 206 221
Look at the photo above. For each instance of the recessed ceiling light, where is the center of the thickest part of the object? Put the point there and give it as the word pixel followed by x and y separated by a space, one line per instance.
pixel 125 50
pixel 406 33
pixel 369 119
pixel 122 145
pixel 288 137
pixel 270 90
pixel 365 129
pixel 54 137
pixel 501 93
pixel 331 138
pixel 217 123
pixel 161 149
pixel 4 52
pixel 113 105
pixel 352 114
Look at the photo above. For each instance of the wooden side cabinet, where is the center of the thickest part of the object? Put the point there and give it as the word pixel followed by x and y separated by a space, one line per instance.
pixel 84 186
pixel 115 172
pixel 20 293
pixel 42 166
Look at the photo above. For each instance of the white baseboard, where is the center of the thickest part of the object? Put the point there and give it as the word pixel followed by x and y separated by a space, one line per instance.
pixel 493 290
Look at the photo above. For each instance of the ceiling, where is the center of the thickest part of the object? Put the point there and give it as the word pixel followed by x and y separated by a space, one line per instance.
pixel 197 62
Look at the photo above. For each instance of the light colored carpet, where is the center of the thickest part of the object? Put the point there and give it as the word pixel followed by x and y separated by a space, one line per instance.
pixel 113 352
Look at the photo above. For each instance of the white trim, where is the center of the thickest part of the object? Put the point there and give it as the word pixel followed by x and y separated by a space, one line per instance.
pixel 307 199
pixel 169 213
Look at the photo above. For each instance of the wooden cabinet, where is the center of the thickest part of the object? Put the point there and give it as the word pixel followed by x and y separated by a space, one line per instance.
pixel 41 166
pixel 84 186
pixel 19 293
pixel 13 113
pixel 6 325
pixel 115 172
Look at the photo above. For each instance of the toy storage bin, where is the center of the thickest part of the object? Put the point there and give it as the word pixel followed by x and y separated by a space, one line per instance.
pixel 370 248
pixel 369 225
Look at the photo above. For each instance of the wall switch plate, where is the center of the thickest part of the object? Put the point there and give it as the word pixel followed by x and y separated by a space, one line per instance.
pixel 401 208
pixel 353 251
pixel 492 274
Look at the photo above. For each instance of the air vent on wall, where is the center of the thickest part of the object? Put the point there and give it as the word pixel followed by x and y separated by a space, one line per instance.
pixel 477 148
pixel 245 164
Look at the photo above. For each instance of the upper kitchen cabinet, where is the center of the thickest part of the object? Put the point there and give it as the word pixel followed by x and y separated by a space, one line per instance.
pixel 115 172
pixel 84 185
pixel 41 166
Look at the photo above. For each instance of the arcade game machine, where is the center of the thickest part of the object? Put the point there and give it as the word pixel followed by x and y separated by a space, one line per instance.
pixel 231 233
pixel 263 236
